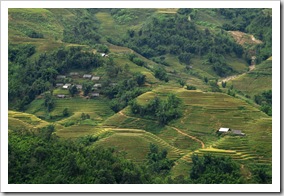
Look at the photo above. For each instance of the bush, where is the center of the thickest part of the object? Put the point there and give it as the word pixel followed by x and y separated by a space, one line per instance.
pixel 190 87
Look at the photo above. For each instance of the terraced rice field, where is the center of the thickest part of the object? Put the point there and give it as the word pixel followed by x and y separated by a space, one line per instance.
pixel 137 145
pixel 19 120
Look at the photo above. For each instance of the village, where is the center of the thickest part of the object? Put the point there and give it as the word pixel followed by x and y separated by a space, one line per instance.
pixel 75 79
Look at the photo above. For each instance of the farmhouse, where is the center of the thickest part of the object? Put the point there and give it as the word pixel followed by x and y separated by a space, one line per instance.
pixel 74 73
pixel 238 132
pixel 61 96
pixel 97 85
pixel 79 86
pixel 104 55
pixel 96 77
pixel 58 84
pixel 66 86
pixel 95 94
pixel 87 76
pixel 60 77
pixel 223 130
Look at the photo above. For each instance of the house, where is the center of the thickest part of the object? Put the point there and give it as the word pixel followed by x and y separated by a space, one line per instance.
pixel 104 55
pixel 95 94
pixel 87 76
pixel 95 78
pixel 74 73
pixel 79 86
pixel 224 130
pixel 61 96
pixel 60 77
pixel 58 84
pixel 97 85
pixel 113 84
pixel 238 132
pixel 66 86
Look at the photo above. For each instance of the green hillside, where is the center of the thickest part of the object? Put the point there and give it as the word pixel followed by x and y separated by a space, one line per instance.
pixel 138 95
pixel 256 81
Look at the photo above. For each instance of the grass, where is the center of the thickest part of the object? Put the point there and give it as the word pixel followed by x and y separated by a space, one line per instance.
pixel 256 81
pixel 98 109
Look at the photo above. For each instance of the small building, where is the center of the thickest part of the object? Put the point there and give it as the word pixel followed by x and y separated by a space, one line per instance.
pixel 104 55
pixel 95 94
pixel 95 78
pixel 61 96
pixel 60 77
pixel 113 84
pixel 238 132
pixel 74 73
pixel 97 85
pixel 224 130
pixel 87 76
pixel 79 86
pixel 66 86
pixel 59 84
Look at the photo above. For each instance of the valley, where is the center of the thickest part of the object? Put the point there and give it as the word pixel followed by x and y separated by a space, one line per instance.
pixel 150 85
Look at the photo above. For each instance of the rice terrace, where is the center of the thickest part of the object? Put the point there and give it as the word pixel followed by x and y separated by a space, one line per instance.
pixel 140 96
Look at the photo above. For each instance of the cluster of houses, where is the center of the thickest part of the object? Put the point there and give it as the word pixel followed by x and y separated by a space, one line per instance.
pixel 66 86
pixel 231 131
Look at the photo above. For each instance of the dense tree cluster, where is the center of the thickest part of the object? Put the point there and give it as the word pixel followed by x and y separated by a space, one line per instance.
pixel 265 101
pixel 176 35
pixel 82 29
pixel 162 110
pixel 255 21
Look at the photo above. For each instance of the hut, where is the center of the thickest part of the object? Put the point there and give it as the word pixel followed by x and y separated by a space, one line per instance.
pixel 61 96
pixel 95 94
pixel 95 78
pixel 238 132
pixel 66 86
pixel 87 76
pixel 223 130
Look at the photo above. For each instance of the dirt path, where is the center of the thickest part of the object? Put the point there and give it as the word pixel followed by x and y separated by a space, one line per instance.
pixel 252 67
pixel 178 130
pixel 192 137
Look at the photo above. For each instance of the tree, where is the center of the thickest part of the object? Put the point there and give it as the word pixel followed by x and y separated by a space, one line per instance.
pixel 87 87
pixel 73 90
pixel 224 84
pixel 190 87
pixel 209 169
pixel 48 101
pixel 140 79
pixel 65 112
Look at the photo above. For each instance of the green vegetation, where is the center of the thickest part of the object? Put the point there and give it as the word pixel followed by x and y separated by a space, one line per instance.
pixel 163 111
pixel 148 111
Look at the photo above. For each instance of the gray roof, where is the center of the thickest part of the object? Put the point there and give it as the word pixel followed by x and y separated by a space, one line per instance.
pixel 59 84
pixel 79 86
pixel 74 73
pixel 61 96
pixel 60 77
pixel 97 85
pixel 96 77
pixel 87 76
pixel 95 94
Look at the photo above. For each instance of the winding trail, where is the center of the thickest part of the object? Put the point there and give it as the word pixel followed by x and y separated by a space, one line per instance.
pixel 178 130
pixel 192 137
pixel 252 67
